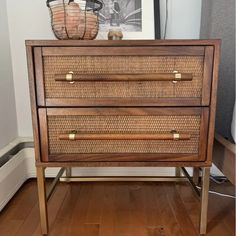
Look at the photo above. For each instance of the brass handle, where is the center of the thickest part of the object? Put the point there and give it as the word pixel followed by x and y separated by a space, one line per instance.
pixel 112 136
pixel 69 77
pixel 72 77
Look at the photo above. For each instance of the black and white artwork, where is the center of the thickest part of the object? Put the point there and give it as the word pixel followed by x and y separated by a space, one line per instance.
pixel 135 18
pixel 125 14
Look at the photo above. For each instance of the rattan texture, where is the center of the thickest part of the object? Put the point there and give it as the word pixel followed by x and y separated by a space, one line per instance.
pixel 123 64
pixel 123 124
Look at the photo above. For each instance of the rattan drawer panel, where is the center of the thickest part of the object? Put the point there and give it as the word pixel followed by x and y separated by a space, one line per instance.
pixel 123 124
pixel 123 64
pixel 117 122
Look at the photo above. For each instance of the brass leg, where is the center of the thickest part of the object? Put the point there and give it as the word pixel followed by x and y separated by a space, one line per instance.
pixel 177 171
pixel 204 199
pixel 42 200
pixel 68 172
pixel 196 175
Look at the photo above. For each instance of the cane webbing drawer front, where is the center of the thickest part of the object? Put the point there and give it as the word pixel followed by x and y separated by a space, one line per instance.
pixel 166 133
pixel 119 64
pixel 72 76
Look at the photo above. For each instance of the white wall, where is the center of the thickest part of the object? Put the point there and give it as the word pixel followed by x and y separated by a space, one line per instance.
pixel 184 18
pixel 8 121
pixel 30 20
pixel 27 20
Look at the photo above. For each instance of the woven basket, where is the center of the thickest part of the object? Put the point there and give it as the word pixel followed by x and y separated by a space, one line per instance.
pixel 72 21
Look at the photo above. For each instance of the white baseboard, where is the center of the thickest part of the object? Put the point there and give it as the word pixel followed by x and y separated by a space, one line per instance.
pixel 12 175
pixel 22 167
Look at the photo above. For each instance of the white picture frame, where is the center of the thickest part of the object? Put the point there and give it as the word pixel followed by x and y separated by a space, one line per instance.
pixel 147 24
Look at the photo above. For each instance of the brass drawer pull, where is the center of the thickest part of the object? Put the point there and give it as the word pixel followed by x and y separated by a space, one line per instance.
pixel 175 76
pixel 69 77
pixel 72 135
pixel 112 136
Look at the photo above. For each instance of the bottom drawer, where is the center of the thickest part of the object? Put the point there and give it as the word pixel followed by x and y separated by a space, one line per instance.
pixel 123 134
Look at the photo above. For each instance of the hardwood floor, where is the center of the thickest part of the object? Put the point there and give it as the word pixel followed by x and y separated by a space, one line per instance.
pixel 119 209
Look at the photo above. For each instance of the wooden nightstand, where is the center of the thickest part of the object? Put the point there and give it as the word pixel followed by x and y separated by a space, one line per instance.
pixel 123 103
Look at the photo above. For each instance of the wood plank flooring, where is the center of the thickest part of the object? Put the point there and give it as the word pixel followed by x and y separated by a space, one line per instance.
pixel 119 209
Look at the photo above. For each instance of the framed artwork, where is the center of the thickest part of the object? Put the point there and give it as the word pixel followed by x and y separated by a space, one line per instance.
pixel 137 19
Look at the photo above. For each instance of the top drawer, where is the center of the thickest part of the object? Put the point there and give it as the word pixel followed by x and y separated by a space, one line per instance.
pixel 123 76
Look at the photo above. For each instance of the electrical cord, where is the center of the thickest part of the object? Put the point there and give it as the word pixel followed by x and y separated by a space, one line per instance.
pixel 223 180
pixel 218 179
pixel 219 194
pixel 166 18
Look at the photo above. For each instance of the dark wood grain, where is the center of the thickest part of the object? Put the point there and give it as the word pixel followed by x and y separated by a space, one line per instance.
pixel 125 77
pixel 101 111
pixel 124 51
pixel 203 134
pixel 124 102
pixel 118 43
pixel 207 75
pixel 32 88
pixel 39 79
pixel 43 127
pixel 124 157
pixel 126 163
pixel 211 131
pixel 110 136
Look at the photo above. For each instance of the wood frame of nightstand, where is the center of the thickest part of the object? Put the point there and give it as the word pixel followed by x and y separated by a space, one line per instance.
pixel 205 165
